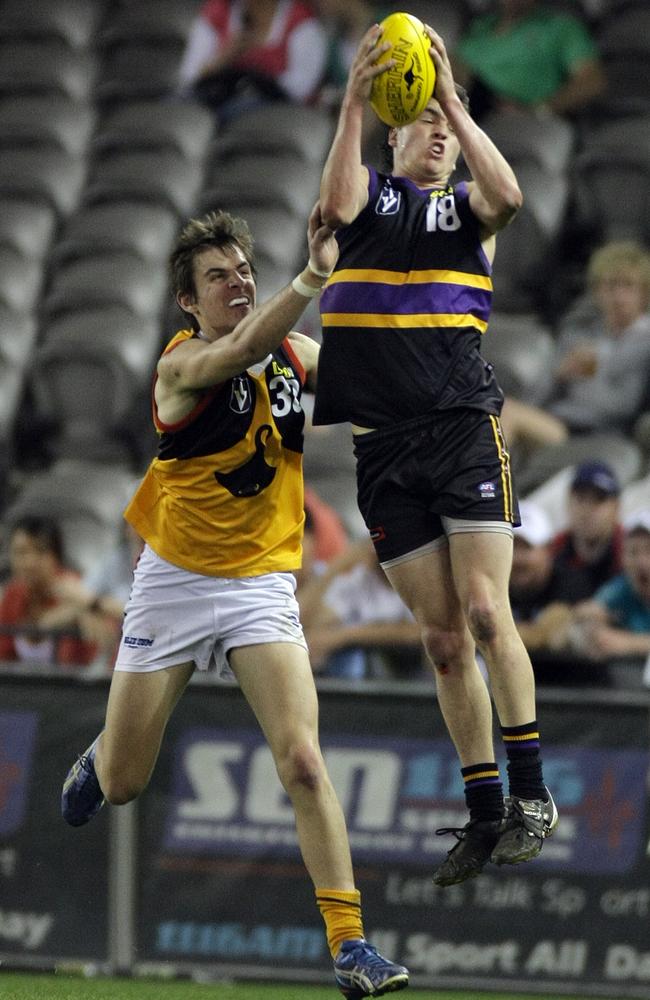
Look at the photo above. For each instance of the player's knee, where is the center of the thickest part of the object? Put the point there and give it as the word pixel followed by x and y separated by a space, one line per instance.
pixel 482 618
pixel 301 767
pixel 443 647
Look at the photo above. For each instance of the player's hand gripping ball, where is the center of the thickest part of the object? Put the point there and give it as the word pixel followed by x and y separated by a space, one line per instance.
pixel 401 94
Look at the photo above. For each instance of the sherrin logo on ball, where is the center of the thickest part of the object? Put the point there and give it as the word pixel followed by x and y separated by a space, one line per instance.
pixel 401 94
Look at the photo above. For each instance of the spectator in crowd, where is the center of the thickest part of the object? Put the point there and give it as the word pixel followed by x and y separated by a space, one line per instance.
pixel 589 552
pixel 616 623
pixel 349 611
pixel 550 575
pixel 37 572
pixel 241 53
pixel 599 380
pixel 526 56
pixel 95 604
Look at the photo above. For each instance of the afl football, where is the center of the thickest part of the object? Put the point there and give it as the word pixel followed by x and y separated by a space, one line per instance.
pixel 400 94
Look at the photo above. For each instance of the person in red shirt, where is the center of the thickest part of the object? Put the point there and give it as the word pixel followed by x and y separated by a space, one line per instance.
pixel 242 52
pixel 37 568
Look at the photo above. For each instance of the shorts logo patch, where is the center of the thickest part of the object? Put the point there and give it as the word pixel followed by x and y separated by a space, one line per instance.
pixel 377 534
pixel 487 490
pixel 136 640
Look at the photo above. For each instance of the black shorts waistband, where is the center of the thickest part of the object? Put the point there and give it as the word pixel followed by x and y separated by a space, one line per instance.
pixel 415 424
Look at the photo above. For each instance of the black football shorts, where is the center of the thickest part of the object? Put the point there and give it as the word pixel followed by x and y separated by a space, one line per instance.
pixel 452 464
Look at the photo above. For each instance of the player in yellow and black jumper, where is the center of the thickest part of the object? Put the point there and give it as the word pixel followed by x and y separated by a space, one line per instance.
pixel 403 316
pixel 221 513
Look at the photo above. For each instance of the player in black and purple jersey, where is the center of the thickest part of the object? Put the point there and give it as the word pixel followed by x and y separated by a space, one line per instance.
pixel 403 316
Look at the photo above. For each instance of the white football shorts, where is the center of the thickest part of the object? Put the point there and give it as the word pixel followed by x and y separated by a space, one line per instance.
pixel 174 616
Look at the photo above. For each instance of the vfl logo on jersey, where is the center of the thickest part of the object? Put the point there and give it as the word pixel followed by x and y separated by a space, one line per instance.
pixel 240 395
pixel 487 491
pixel 249 479
pixel 389 201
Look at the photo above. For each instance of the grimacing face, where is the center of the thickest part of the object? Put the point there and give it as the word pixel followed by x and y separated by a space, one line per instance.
pixel 426 150
pixel 224 290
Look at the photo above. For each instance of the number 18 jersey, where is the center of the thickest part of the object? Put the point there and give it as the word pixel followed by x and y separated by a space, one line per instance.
pixel 405 309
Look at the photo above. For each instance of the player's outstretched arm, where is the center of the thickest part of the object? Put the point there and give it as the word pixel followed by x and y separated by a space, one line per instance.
pixel 198 364
pixel 344 183
pixel 495 196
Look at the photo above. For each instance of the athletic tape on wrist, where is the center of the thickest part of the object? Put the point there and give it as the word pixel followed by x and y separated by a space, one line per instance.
pixel 300 286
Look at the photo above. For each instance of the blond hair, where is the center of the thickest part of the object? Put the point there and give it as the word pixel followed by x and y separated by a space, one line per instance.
pixel 623 258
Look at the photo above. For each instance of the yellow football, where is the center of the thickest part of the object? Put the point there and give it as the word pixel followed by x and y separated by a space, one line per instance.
pixel 400 94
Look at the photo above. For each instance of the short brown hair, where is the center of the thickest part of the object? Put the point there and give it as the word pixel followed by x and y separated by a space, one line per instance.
pixel 215 229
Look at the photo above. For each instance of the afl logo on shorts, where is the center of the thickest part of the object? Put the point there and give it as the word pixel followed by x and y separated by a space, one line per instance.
pixel 377 534
pixel 487 491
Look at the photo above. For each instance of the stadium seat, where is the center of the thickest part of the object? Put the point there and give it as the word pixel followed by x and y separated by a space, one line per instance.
pixel 111 328
pixel 47 119
pixel 183 126
pixel 113 279
pixel 521 265
pixel 138 71
pixel 615 158
pixel 86 498
pixel 149 20
pixel 18 333
pixel 548 142
pixel 47 176
pixel 161 177
pixel 46 67
pixel 87 380
pixel 21 279
pixel 74 22
pixel 546 195
pixel 26 226
pixel 270 180
pixel 521 349
pixel 302 132
pixel 622 454
pixel 145 230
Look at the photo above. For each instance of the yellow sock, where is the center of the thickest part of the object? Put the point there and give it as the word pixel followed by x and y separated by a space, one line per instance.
pixel 341 912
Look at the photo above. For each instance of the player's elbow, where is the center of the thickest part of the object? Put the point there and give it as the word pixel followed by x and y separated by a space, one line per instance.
pixel 337 210
pixel 510 201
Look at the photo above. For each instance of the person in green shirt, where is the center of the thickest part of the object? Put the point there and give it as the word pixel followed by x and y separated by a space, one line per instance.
pixel 525 56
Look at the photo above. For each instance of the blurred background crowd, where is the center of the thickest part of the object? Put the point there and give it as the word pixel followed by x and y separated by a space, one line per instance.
pixel 118 121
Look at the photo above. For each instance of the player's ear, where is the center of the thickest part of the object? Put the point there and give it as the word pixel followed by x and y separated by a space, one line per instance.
pixel 392 137
pixel 187 302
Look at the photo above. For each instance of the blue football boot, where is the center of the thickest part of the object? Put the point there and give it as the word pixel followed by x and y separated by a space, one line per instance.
pixel 82 796
pixel 361 971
